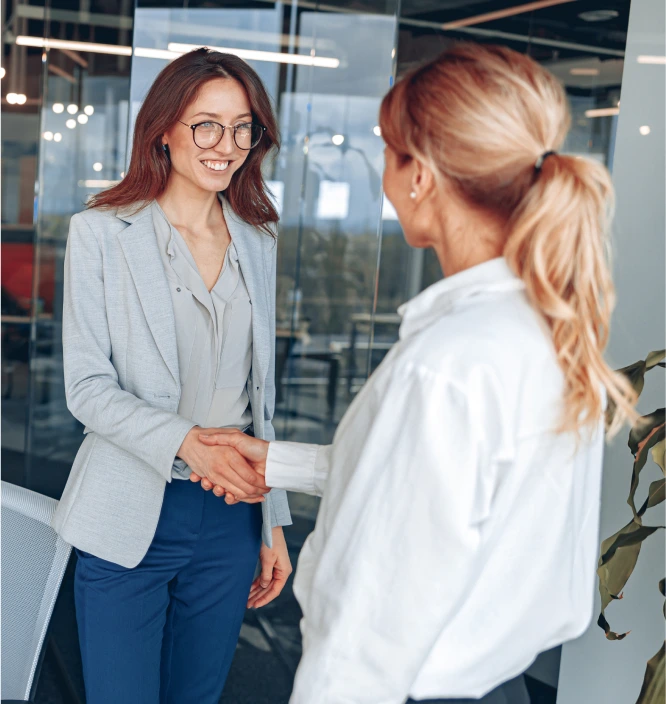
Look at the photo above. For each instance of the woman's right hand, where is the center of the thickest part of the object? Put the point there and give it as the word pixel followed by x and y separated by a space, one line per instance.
pixel 254 451
pixel 223 465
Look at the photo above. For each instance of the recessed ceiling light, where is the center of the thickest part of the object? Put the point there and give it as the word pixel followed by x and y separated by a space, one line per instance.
pixel 644 130
pixel 599 15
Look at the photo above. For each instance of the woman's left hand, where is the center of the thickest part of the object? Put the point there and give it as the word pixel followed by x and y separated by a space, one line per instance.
pixel 275 570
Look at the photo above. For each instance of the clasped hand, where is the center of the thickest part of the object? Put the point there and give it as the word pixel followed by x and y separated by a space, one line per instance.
pixel 229 462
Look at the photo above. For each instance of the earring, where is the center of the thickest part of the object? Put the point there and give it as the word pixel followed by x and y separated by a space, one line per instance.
pixel 412 195
pixel 165 147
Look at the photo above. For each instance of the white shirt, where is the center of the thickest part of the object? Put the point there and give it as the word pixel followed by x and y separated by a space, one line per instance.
pixel 457 536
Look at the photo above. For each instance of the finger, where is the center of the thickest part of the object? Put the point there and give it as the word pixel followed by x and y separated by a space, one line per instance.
pixel 195 477
pixel 257 596
pixel 206 484
pixel 266 576
pixel 223 436
pixel 270 594
pixel 246 474
pixel 219 490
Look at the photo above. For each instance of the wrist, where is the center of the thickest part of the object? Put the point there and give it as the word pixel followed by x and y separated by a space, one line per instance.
pixel 186 450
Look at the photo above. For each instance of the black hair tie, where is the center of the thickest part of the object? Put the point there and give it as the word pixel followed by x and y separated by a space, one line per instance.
pixel 541 159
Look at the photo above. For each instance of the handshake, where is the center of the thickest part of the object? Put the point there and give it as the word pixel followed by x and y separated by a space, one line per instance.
pixel 229 462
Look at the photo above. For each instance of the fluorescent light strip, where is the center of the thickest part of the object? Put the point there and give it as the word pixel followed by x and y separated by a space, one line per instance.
pixel 652 60
pixel 42 43
pixel 507 12
pixel 272 56
pixel 602 112
pixel 156 53
pixel 97 183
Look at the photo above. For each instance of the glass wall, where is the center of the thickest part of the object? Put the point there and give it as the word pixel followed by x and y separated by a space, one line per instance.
pixel 343 265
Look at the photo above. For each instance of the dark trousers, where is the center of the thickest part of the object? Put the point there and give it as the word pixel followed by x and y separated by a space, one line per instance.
pixel 511 692
pixel 165 631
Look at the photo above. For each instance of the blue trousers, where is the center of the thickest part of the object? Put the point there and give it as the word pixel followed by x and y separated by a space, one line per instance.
pixel 165 631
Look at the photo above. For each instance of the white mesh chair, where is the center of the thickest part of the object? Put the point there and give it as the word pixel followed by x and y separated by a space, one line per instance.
pixel 34 559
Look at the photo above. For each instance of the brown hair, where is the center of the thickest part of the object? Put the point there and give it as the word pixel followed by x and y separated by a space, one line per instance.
pixel 482 116
pixel 174 89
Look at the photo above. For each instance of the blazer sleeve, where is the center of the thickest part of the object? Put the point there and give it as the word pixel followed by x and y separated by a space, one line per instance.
pixel 280 514
pixel 93 394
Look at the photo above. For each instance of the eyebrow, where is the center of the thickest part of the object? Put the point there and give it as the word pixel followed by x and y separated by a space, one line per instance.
pixel 217 117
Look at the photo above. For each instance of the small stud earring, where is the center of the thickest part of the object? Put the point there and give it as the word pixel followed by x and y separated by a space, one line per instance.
pixel 165 147
pixel 412 195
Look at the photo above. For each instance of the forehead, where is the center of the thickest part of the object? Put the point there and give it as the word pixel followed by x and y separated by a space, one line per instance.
pixel 221 97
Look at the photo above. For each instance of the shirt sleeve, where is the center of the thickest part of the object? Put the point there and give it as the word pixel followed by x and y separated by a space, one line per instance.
pixel 399 549
pixel 298 467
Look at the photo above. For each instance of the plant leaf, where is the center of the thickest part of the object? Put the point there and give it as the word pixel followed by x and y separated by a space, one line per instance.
pixel 656 494
pixel 646 433
pixel 653 359
pixel 659 455
pixel 653 690
pixel 619 555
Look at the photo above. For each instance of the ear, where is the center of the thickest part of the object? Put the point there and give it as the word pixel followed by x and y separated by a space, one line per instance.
pixel 423 180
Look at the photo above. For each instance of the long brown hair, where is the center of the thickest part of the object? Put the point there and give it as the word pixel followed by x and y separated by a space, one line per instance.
pixel 482 117
pixel 174 89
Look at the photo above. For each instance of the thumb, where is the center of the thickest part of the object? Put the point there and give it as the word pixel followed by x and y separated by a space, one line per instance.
pixel 266 573
pixel 219 439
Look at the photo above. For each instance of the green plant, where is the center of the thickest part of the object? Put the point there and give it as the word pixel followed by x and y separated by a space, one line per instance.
pixel 619 553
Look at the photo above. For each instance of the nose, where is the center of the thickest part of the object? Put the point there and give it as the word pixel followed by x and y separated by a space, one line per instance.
pixel 226 145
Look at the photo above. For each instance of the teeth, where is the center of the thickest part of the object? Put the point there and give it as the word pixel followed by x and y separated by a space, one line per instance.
pixel 216 165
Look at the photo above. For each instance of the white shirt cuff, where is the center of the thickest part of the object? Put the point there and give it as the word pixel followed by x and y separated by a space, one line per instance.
pixel 291 466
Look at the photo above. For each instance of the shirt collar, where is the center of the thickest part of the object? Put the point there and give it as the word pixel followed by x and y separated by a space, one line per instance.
pixel 493 276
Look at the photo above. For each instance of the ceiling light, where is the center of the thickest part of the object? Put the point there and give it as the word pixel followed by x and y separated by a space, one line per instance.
pixel 48 136
pixel 644 130
pixel 599 15
pixel 58 108
pixel 145 53
pixel 651 59
pixel 97 166
pixel 97 183
pixel 602 112
pixel 57 137
pixel 337 139
pixel 89 110
pixel 74 46
pixel 21 98
pixel 72 109
pixel 2 72
pixel 584 72
pixel 272 56
pixel 82 119
pixel 12 98
pixel 506 12
pixel 377 130
pixel 71 124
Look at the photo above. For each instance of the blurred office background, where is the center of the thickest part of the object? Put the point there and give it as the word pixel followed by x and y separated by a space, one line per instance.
pixel 73 78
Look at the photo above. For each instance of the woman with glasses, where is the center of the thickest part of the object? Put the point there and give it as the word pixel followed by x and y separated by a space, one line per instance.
pixel 168 329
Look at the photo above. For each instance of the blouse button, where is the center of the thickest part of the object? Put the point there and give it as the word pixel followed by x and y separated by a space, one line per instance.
pixel 178 289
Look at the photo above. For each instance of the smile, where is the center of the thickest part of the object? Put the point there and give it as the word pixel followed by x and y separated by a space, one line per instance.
pixel 216 165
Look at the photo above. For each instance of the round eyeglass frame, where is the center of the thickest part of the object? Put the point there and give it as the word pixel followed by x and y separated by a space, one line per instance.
pixel 224 127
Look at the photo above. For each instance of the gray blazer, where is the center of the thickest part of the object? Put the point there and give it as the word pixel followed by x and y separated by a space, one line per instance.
pixel 122 380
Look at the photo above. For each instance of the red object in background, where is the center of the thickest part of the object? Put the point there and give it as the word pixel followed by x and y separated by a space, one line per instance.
pixel 17 272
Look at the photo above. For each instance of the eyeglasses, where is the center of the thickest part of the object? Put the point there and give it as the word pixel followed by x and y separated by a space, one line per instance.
pixel 207 135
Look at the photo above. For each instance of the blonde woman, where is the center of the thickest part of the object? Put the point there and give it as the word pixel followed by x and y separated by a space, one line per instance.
pixel 457 535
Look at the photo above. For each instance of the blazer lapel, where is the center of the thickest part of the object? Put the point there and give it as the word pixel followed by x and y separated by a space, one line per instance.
pixel 139 246
pixel 251 257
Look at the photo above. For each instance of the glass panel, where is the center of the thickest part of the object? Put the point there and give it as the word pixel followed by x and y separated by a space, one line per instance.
pixel 581 45
pixel 83 134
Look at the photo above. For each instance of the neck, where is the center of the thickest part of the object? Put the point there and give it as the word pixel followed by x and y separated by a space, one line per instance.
pixel 185 204
pixel 468 241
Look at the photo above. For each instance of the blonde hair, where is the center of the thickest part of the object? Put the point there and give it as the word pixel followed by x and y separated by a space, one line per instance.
pixel 482 116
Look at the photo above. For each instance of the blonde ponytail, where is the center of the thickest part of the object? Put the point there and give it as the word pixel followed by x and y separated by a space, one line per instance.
pixel 482 116
pixel 559 245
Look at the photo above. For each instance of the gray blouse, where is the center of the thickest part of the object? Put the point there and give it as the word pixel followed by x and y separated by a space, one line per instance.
pixel 213 336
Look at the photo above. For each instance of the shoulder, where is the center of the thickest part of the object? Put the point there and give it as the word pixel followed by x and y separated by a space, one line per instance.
pixel 98 220
pixel 494 347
